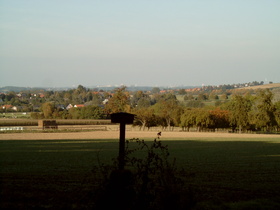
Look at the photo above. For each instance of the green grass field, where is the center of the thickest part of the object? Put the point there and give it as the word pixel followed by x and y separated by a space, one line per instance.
pixel 56 174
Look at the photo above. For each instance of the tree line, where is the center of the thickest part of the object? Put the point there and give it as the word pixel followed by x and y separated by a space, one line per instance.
pixel 237 110
pixel 240 113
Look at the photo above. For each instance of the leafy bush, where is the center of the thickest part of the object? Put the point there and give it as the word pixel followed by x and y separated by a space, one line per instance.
pixel 150 180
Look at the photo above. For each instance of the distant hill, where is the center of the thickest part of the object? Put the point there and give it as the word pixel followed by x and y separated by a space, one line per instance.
pixel 18 89
pixel 269 86
pixel 7 89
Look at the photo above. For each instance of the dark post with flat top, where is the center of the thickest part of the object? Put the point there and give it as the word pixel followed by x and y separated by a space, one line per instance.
pixel 123 118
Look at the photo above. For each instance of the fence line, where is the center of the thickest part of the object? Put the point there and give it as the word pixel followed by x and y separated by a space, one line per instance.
pixel 11 128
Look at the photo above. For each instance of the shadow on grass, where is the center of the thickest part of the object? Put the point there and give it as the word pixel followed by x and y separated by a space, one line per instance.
pixel 57 174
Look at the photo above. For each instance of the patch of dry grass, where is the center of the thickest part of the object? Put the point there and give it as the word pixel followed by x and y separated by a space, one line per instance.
pixel 113 133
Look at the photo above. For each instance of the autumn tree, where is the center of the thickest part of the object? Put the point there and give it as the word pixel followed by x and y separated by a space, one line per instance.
pixel 119 102
pixel 220 118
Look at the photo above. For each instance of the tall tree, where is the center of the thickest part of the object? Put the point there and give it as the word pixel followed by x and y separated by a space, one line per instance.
pixel 239 108
pixel 203 119
pixel 140 99
pixel 48 109
pixel 169 110
pixel 144 117
pixel 81 89
pixel 155 90
pixel 277 114
pixel 188 119
pixel 265 113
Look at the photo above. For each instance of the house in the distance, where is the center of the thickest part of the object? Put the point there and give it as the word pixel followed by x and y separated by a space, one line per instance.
pixel 79 105
pixel 69 106
pixel 105 101
pixel 9 107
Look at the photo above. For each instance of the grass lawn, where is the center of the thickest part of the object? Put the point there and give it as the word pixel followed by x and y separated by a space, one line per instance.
pixel 56 174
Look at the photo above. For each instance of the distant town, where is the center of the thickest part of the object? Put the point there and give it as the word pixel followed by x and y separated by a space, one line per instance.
pixel 134 87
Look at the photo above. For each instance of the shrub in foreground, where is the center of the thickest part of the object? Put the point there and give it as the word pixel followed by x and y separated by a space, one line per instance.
pixel 150 180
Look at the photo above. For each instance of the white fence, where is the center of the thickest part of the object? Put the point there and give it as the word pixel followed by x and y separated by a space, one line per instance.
pixel 11 128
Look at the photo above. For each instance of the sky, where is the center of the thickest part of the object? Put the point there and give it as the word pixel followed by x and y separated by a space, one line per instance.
pixel 65 43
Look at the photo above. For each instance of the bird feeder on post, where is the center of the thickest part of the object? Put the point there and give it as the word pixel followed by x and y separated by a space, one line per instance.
pixel 123 118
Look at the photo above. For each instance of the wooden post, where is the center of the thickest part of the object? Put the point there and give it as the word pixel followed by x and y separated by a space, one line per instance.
pixel 122 118
pixel 122 146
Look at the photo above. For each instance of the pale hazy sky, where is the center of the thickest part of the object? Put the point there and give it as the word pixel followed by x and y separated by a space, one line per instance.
pixel 145 42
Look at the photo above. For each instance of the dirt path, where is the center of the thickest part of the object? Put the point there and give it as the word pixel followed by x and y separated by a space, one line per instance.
pixel 129 135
